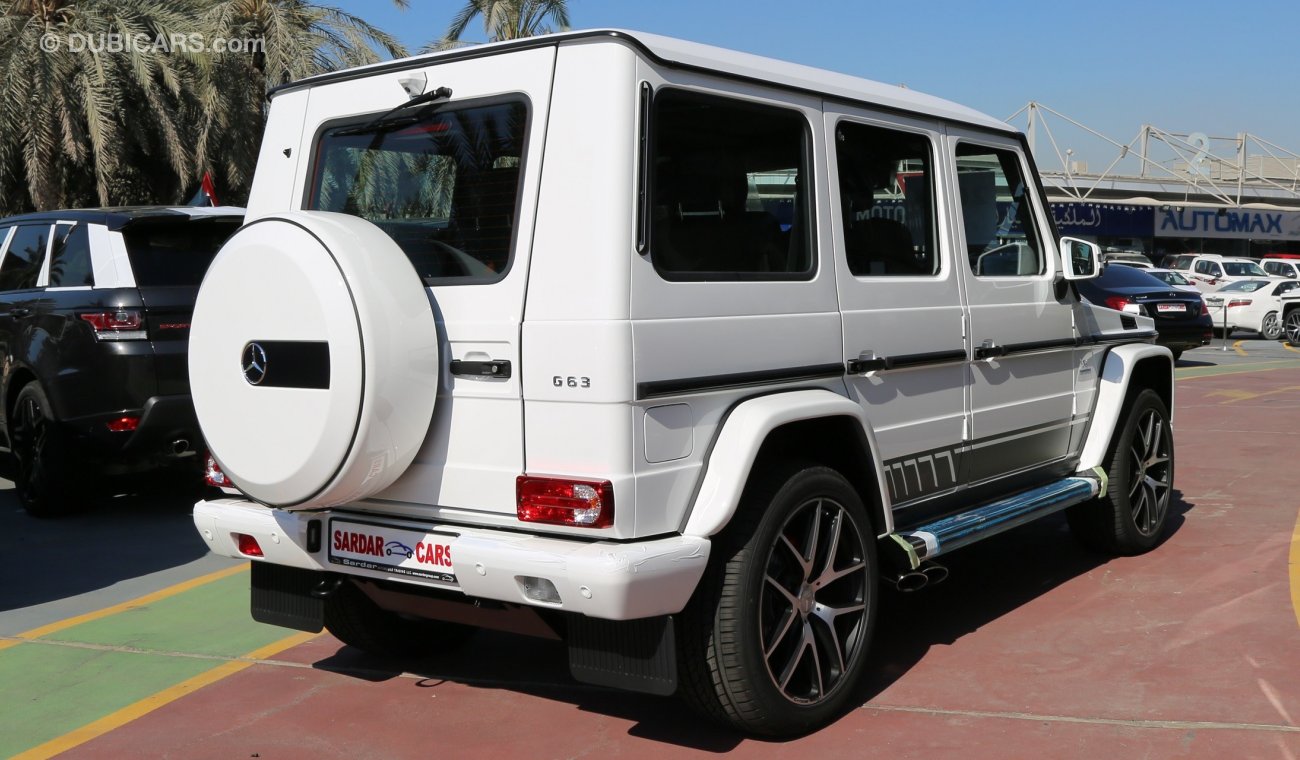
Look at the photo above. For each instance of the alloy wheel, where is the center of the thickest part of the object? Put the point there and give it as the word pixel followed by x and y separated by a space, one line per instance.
pixel 1149 484
pixel 813 607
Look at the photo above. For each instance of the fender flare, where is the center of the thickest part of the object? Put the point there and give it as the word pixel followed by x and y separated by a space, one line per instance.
pixel 1112 389
pixel 737 444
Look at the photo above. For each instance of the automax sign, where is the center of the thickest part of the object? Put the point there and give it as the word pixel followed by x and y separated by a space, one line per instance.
pixel 1213 223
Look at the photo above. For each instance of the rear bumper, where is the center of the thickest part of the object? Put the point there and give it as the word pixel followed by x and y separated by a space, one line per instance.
pixel 168 431
pixel 600 579
pixel 1184 337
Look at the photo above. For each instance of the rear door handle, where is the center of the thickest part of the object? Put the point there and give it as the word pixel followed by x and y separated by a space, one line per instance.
pixel 495 368
pixel 989 350
pixel 20 312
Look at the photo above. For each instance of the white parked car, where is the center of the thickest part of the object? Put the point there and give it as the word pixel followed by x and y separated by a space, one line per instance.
pixel 1281 267
pixel 1250 305
pixel 1210 272
pixel 671 352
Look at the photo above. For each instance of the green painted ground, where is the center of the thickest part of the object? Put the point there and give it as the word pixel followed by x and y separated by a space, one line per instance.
pixel 75 676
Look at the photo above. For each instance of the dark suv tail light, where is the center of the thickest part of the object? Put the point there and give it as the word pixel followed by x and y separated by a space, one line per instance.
pixel 120 324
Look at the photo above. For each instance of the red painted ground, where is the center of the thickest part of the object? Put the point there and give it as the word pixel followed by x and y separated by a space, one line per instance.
pixel 1032 648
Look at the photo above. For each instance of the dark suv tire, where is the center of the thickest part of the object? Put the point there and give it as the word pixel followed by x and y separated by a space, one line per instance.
pixel 44 480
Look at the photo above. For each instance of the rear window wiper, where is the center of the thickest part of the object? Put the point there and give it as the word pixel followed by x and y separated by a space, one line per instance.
pixel 383 120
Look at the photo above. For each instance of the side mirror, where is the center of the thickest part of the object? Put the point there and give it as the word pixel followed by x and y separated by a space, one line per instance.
pixel 1080 260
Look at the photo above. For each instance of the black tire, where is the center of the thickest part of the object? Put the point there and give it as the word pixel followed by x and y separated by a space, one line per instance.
pixel 767 612
pixel 1291 327
pixel 1270 327
pixel 1133 515
pixel 353 618
pixel 44 480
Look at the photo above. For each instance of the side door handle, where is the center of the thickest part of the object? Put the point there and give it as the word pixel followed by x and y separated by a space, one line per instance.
pixel 21 312
pixel 495 368
pixel 989 350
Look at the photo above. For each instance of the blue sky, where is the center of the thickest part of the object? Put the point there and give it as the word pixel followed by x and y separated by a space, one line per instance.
pixel 1185 66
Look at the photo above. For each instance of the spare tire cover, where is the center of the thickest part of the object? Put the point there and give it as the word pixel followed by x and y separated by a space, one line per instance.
pixel 313 359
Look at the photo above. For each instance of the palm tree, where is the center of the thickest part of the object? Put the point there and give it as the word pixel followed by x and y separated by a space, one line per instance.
pixel 506 20
pixel 79 123
pixel 299 39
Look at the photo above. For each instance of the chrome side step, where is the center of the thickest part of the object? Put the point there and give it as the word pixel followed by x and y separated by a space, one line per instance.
pixel 942 536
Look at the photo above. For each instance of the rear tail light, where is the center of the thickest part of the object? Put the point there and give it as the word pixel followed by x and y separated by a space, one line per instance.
pixel 125 424
pixel 120 324
pixel 1120 303
pixel 212 474
pixel 1238 302
pixel 1205 309
pixel 565 501
pixel 247 545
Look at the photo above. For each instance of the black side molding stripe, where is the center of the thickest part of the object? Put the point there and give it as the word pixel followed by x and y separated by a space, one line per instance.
pixel 858 366
pixel 1038 345
pixel 659 388
pixel 1094 340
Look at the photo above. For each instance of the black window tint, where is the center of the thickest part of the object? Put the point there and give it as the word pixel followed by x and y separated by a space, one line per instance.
pixel 171 252
pixel 22 264
pixel 70 257
pixel 886 192
pixel 443 185
pixel 729 190
pixel 1001 231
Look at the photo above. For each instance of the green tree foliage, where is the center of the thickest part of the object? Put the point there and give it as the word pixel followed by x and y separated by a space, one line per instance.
pixel 86 123
pixel 506 20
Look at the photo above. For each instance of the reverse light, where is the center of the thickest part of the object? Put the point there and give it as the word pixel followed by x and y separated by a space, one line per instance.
pixel 119 324
pixel 565 501
pixel 125 424
pixel 247 545
pixel 1238 302
pixel 212 474
pixel 1120 303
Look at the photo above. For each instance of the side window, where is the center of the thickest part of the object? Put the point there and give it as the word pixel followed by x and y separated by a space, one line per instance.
pixel 886 193
pixel 22 264
pixel 1271 267
pixel 729 189
pixel 70 257
pixel 1001 227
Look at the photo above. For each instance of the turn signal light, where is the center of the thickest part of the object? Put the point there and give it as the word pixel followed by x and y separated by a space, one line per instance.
pixel 120 324
pixel 564 501
pixel 247 545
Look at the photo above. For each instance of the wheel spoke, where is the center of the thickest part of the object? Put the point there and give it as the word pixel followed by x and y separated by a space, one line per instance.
pixel 810 543
pixel 787 621
pixel 805 641
pixel 832 544
pixel 807 566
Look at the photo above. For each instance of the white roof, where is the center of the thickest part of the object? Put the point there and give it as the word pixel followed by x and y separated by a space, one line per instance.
pixel 682 53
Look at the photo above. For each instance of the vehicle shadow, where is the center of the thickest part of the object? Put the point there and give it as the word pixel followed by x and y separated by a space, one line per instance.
pixel 114 539
pixel 987 581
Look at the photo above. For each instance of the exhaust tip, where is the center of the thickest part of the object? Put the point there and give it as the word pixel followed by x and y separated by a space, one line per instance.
pixel 911 581
pixel 934 572
pixel 180 447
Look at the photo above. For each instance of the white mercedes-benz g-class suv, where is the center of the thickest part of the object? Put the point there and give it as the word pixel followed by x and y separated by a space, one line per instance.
pixel 670 352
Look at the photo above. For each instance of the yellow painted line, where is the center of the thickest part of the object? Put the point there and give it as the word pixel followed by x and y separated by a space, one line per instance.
pixel 147 599
pixel 1295 570
pixel 1290 347
pixel 1236 346
pixel 152 702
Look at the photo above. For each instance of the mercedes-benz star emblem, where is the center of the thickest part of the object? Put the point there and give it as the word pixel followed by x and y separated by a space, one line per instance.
pixel 254 364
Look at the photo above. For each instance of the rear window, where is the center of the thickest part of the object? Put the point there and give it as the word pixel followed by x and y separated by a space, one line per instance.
pixel 1244 286
pixel 175 252
pixel 443 183
pixel 1113 276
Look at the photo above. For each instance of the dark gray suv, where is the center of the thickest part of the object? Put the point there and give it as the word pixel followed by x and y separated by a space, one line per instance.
pixel 94 324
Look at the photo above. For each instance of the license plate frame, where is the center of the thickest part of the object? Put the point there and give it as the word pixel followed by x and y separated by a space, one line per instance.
pixel 392 549
pixel 1165 308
